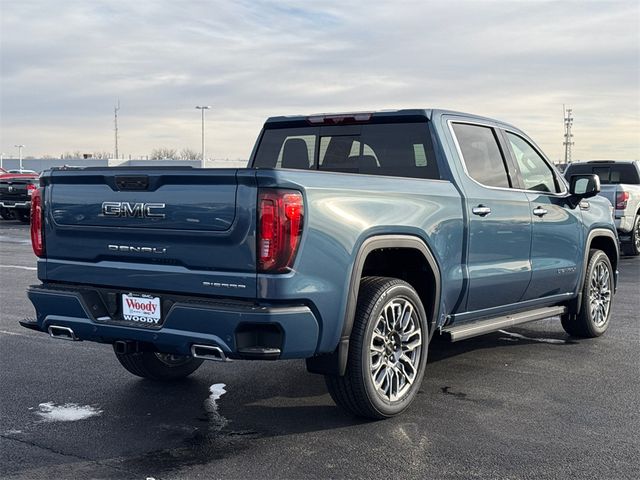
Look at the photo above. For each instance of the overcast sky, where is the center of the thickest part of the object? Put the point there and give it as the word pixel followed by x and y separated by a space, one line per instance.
pixel 64 63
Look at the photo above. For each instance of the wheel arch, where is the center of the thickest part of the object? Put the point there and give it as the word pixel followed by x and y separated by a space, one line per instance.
pixel 601 239
pixel 605 240
pixel 371 249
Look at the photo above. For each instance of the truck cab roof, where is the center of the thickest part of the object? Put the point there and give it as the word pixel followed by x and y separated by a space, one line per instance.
pixel 379 116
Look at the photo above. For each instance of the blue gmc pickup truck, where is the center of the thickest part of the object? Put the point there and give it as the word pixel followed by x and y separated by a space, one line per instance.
pixel 350 241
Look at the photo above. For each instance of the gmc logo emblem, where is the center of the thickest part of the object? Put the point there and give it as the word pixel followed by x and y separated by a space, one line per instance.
pixel 137 210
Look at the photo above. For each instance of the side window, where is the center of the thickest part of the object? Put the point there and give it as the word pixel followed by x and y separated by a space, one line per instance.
pixel 481 154
pixel 536 174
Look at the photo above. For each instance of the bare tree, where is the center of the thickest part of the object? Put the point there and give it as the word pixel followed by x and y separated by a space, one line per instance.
pixel 163 153
pixel 102 155
pixel 72 155
pixel 189 154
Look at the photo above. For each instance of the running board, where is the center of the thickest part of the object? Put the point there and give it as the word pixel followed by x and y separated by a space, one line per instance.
pixel 480 327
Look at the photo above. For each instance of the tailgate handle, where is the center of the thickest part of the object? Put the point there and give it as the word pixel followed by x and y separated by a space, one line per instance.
pixel 138 182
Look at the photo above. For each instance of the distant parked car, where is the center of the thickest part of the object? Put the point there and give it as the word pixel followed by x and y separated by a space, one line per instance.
pixel 15 196
pixel 620 183
pixel 22 170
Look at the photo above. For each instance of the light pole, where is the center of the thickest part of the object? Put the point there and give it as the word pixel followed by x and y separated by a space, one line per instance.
pixel 1 158
pixel 20 147
pixel 202 108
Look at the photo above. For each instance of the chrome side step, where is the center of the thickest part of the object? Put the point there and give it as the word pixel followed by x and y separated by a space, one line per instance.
pixel 480 327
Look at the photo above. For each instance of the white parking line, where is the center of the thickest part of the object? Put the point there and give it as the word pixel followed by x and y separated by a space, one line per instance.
pixel 4 332
pixel 18 266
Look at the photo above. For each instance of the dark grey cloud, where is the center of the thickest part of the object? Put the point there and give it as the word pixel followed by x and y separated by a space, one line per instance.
pixel 64 63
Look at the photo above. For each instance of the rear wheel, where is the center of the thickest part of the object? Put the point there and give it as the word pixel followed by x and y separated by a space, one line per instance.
pixel 159 366
pixel 597 299
pixel 387 351
pixel 633 246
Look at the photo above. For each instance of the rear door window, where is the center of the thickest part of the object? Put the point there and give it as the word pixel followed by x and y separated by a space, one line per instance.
pixel 481 155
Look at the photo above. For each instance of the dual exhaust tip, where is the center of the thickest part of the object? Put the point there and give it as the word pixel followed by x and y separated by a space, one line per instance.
pixel 208 352
pixel 204 352
pixel 63 333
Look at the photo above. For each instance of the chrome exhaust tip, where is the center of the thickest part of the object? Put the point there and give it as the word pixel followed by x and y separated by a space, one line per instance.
pixel 63 333
pixel 208 352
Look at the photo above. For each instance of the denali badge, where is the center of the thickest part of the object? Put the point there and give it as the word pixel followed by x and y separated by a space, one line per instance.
pixel 133 249
pixel 126 209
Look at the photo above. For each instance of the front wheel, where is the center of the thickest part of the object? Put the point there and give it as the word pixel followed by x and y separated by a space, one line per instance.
pixel 632 247
pixel 387 351
pixel 597 299
pixel 159 366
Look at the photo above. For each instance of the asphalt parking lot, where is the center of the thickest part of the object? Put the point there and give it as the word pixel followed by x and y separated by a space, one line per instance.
pixel 527 403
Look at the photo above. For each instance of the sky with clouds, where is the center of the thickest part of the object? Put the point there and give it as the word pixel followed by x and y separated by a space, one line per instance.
pixel 64 63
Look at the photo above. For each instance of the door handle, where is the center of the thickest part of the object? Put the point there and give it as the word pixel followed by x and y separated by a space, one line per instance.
pixel 539 211
pixel 481 210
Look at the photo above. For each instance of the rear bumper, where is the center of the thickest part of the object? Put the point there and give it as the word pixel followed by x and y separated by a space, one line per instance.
pixel 624 223
pixel 187 321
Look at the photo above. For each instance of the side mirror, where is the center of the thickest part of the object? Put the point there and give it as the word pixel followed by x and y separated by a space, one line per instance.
pixel 584 186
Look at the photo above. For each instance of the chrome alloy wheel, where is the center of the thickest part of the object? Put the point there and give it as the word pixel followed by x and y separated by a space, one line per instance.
pixel 395 349
pixel 637 235
pixel 600 294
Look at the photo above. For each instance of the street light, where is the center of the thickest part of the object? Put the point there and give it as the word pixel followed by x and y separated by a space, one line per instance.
pixel 1 158
pixel 202 108
pixel 20 147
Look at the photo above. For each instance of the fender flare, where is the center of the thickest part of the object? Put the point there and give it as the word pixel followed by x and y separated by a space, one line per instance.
pixel 336 363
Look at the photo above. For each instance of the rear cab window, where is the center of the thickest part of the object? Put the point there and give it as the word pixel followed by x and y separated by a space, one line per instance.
pixel 610 173
pixel 388 149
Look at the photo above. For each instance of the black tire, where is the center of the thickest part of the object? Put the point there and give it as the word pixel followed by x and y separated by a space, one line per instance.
pixel 632 247
pixel 587 324
pixel 355 391
pixel 23 216
pixel 156 366
pixel 5 213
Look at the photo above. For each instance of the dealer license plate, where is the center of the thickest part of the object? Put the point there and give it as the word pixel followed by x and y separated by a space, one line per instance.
pixel 144 309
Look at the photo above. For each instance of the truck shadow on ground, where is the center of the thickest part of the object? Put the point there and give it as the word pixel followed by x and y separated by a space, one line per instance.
pixel 263 400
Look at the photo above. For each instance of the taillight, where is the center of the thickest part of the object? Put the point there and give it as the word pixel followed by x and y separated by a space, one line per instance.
pixel 31 187
pixel 37 230
pixel 621 200
pixel 280 217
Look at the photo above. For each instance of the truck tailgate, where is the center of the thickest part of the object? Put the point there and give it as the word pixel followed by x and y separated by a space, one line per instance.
pixel 15 189
pixel 609 192
pixel 178 230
